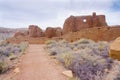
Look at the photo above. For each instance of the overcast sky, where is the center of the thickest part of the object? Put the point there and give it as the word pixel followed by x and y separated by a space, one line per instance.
pixel 52 13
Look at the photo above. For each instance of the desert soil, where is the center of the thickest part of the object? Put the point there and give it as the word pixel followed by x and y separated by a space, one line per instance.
pixel 36 64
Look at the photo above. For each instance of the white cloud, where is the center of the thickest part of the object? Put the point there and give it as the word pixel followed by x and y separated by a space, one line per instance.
pixel 46 13
pixel 113 18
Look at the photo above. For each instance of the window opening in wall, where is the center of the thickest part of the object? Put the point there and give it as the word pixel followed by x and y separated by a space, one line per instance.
pixel 84 20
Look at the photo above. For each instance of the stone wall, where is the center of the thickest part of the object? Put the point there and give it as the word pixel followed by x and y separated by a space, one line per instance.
pixel 75 27
pixel 96 33
pixel 53 32
pixel 76 23
pixel 35 31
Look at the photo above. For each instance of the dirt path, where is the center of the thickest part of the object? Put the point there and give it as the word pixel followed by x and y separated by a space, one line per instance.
pixel 37 65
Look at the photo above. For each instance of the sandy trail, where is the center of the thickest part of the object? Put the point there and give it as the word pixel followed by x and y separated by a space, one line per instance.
pixel 37 65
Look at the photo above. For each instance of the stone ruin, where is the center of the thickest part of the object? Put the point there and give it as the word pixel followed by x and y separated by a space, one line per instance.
pixel 76 23
pixel 91 26
pixel 35 32
pixel 53 32
pixel 72 24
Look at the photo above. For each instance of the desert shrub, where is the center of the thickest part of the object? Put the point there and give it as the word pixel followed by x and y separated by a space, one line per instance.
pixel 66 59
pixel 13 48
pixel 88 70
pixel 83 41
pixel 114 73
pixel 8 52
pixel 50 42
pixel 87 59
pixel 54 51
pixel 59 50
pixel 4 63
pixel 101 48
pixel 23 46
pixel 63 43
pixel 118 78
pixel 59 47
pixel 4 43
pixel 4 36
pixel 87 66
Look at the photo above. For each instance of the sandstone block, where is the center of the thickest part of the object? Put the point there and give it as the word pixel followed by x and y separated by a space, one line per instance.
pixel 68 73
pixel 115 49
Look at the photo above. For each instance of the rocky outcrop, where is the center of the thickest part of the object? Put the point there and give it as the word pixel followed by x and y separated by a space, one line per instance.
pixel 53 32
pixel 19 34
pixel 35 31
pixel 76 23
pixel 115 49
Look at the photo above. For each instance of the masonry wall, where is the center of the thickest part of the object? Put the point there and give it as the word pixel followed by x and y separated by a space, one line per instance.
pixel 96 33
pixel 76 23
